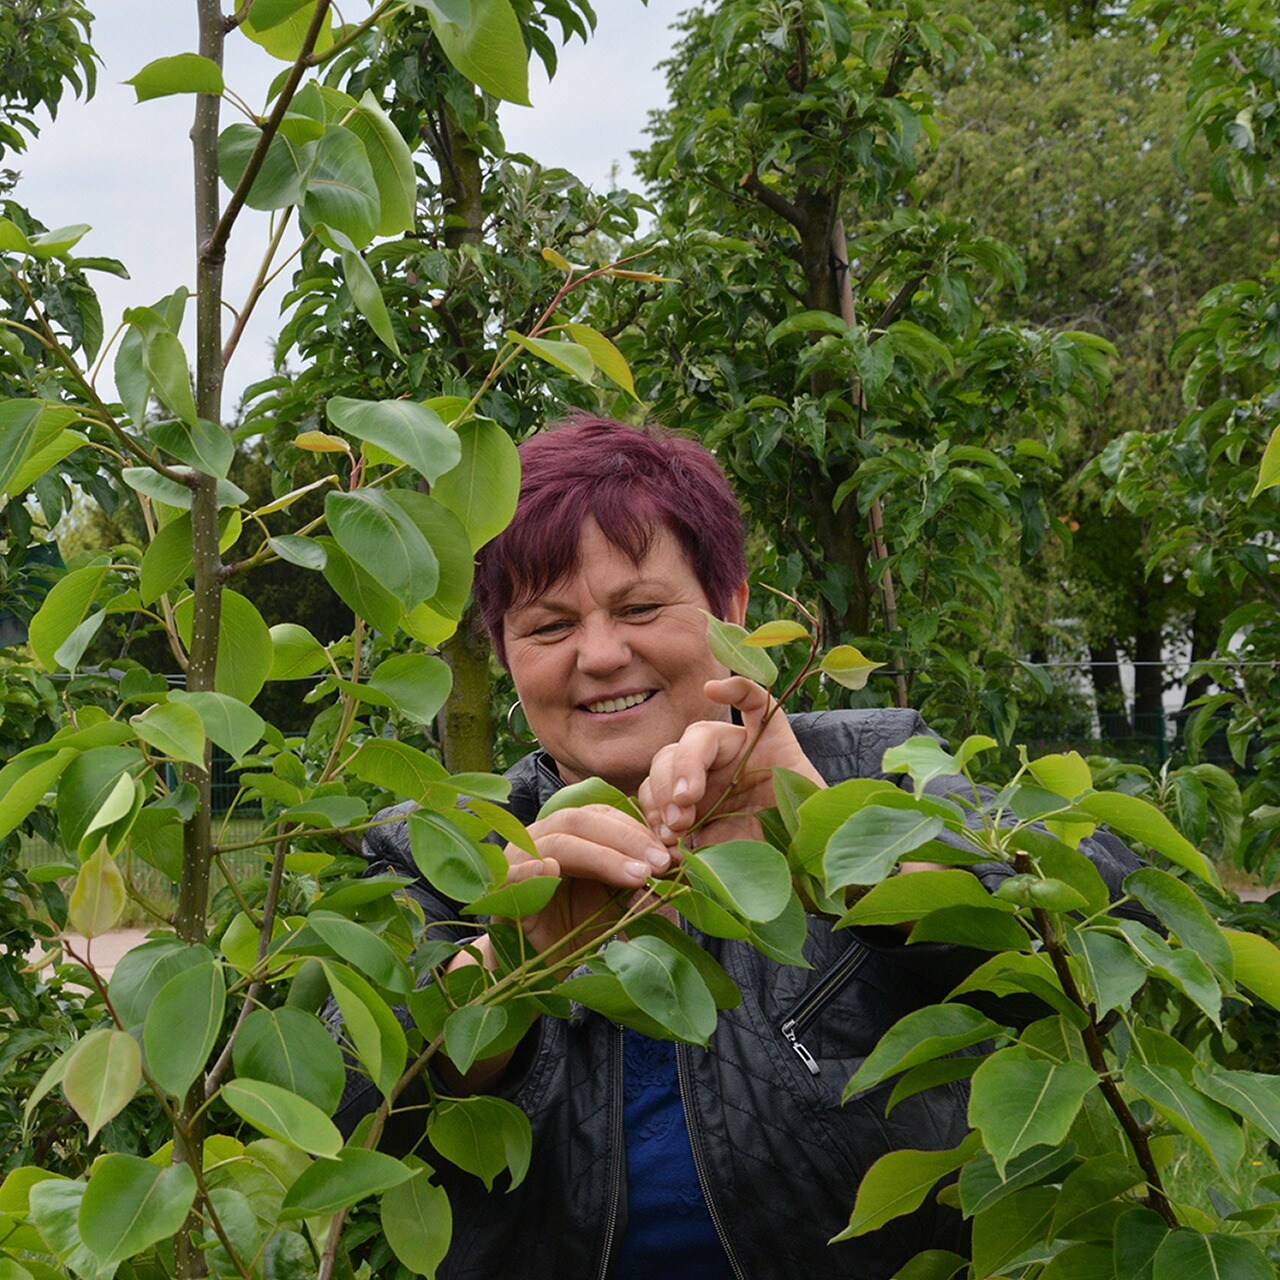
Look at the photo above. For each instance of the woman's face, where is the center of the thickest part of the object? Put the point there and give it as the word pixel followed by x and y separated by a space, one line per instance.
pixel 610 663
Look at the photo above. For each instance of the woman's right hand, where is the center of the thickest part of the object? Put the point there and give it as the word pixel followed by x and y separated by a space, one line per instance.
pixel 597 850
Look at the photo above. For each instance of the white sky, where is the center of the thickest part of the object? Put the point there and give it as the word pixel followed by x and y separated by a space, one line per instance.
pixel 125 167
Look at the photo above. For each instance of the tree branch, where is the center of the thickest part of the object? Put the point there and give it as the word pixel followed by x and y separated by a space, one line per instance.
pixel 774 200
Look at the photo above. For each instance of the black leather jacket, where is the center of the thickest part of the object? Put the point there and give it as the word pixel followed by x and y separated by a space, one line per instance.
pixel 779 1156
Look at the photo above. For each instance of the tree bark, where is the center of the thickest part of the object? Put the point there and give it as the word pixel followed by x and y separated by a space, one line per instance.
pixel 1108 690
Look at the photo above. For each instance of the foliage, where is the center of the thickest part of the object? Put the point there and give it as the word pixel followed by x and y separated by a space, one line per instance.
pixel 200 1075
pixel 895 424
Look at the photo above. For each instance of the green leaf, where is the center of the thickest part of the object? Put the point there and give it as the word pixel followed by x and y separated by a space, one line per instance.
pixel 167 559
pixel 306 553
pixel 173 493
pixel 97 901
pixel 921 1036
pixel 131 1204
pixel 23 784
pixel 1139 1234
pixel 606 357
pixel 1257 964
pixel 847 666
pixel 417 683
pixel 166 364
pixel 515 901
pixel 381 538
pixel 1207 1123
pixel 101 1076
pixel 54 1206
pixel 481 490
pixel 174 730
pixel 367 295
pixel 723 991
pixel 981 1184
pixel 281 181
pixel 399 768
pixel 26 428
pixel 63 610
pixel 230 723
pixel 295 653
pixel 86 784
pixel 280 26
pixel 244 645
pixel 1019 1100
pixel 1248 1093
pixel 392 163
pixel 727 642
pixel 1190 1255
pixel 409 431
pixel 589 791
pixel 182 1026
pixel 291 1049
pixel 1115 977
pixel 929 1075
pixel 988 928
pixel 904 898
pixel 1134 817
pixel 181 73
pixel 374 1032
pixel 143 971
pixel 1176 906
pixel 488 49
pixel 1065 775
pixel 206 446
pixel 470 1030
pixel 776 631
pixel 1269 471
pixel 1183 969
pixel 568 357
pixel 459 867
pixel 665 985
pixel 330 1185
pixel 922 758
pixel 899 1181
pixel 821 814
pixel 807 322
pixel 448 539
pixel 866 847
pixel 282 1114
pixel 748 876
pixel 36 462
pixel 417 1221
pixel 360 946
pixel 483 1136
pixel 342 193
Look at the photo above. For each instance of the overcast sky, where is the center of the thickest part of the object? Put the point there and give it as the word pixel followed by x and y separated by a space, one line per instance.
pixel 125 168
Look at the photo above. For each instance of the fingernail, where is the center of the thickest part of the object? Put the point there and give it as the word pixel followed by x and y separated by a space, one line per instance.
pixel 681 787
pixel 659 859
pixel 636 870
pixel 672 814
pixel 665 834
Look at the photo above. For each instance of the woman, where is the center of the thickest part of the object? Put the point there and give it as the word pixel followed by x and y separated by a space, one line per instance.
pixel 740 1160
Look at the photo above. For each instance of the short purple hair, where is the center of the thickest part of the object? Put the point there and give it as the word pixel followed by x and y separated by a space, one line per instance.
pixel 634 482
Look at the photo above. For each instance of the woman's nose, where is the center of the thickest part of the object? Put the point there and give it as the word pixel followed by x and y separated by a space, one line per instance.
pixel 602 646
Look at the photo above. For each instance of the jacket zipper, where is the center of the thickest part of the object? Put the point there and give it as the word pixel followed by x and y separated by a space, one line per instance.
pixel 699 1165
pixel 817 1000
pixel 619 1154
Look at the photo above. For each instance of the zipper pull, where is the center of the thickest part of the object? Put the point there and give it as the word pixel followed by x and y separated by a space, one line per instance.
pixel 789 1030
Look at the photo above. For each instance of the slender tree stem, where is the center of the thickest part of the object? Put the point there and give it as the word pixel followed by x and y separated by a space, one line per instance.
pixel 1157 1198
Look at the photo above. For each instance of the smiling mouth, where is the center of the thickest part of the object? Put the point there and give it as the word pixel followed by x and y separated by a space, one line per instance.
pixel 619 704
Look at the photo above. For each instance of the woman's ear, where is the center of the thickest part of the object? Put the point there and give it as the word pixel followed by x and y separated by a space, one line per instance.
pixel 736 610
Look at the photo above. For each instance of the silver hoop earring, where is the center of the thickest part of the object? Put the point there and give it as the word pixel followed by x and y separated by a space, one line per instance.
pixel 528 741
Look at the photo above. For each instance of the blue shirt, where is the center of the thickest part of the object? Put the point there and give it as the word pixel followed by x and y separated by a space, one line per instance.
pixel 669 1230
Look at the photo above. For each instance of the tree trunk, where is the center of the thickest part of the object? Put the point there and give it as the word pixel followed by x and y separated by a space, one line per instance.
pixel 466 722
pixel 1108 691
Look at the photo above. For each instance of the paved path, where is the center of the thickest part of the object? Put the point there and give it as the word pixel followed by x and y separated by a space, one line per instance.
pixel 106 951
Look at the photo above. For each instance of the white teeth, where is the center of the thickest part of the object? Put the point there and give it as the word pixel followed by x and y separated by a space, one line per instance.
pixel 618 704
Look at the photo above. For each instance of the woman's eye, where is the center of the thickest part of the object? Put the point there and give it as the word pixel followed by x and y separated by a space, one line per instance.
pixel 640 610
pixel 550 629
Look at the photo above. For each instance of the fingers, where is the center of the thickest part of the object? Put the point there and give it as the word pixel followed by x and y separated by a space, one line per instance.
pixel 750 699
pixel 598 842
pixel 678 777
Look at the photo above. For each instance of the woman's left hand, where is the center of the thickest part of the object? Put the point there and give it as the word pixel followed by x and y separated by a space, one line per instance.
pixel 689 777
